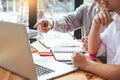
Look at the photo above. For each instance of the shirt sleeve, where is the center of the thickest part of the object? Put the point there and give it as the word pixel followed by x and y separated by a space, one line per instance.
pixel 82 16
pixel 69 22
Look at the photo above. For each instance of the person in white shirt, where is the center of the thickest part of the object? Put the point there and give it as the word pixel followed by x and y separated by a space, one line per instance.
pixel 107 43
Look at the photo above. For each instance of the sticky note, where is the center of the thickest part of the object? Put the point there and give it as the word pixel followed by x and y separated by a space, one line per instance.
pixel 45 53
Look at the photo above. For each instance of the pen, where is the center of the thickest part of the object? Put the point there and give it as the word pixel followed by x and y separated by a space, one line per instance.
pixel 83 52
pixel 91 57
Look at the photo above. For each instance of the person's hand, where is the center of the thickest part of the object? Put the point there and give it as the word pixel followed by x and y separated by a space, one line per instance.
pixel 80 61
pixel 43 25
pixel 85 43
pixel 103 18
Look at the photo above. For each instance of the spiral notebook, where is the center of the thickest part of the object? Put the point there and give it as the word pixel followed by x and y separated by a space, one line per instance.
pixel 64 54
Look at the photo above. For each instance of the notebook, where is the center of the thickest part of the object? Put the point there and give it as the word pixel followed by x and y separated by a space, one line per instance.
pixel 16 56
pixel 64 54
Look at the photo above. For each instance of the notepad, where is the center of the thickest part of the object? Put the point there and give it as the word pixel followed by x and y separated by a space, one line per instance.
pixel 64 54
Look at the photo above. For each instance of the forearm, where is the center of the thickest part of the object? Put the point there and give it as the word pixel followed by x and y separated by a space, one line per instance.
pixel 94 40
pixel 106 71
pixel 66 24
pixel 71 21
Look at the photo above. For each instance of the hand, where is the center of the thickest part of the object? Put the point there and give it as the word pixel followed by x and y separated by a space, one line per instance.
pixel 85 43
pixel 80 61
pixel 43 25
pixel 103 18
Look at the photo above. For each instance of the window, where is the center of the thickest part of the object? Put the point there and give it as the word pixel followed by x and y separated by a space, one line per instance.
pixel 48 8
pixel 14 11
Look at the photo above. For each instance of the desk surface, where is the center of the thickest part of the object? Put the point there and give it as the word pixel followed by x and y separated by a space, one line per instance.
pixel 76 75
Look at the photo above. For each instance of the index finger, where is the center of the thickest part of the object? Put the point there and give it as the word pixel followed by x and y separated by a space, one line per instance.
pixel 35 26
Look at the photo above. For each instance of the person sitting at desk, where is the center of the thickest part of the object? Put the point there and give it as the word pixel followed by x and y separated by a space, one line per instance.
pixel 81 17
pixel 107 42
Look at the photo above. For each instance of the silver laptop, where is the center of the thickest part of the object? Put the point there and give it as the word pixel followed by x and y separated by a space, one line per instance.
pixel 16 56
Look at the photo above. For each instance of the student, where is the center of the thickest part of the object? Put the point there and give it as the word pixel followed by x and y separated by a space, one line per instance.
pixel 82 16
pixel 107 42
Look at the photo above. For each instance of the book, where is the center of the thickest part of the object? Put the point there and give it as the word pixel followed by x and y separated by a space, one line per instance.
pixel 64 54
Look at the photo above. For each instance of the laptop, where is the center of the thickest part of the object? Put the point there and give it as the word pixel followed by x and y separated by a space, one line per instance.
pixel 16 56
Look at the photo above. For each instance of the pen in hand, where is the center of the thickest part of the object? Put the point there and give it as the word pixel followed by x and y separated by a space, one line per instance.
pixel 91 57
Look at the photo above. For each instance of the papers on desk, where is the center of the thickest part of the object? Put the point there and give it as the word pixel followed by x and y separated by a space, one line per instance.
pixel 39 47
pixel 60 43
pixel 64 54
pixel 62 49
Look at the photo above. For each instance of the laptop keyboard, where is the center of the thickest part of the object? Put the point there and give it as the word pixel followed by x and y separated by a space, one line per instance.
pixel 42 70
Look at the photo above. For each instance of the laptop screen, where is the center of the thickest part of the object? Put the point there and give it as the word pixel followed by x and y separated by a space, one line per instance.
pixel 15 53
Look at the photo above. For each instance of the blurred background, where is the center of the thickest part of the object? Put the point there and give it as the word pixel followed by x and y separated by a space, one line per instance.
pixel 28 12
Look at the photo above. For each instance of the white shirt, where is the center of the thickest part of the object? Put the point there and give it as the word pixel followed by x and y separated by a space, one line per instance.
pixel 111 42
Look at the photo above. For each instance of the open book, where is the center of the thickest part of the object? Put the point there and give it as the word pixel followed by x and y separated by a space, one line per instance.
pixel 64 54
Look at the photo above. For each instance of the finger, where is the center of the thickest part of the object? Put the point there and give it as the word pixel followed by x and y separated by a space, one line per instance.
pixel 110 19
pixel 85 47
pixel 97 19
pixel 76 55
pixel 37 24
pixel 44 30
pixel 44 24
pixel 73 55
pixel 86 40
pixel 102 18
pixel 105 18
pixel 83 39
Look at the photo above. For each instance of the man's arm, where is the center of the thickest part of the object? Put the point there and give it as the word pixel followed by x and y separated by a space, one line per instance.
pixel 82 15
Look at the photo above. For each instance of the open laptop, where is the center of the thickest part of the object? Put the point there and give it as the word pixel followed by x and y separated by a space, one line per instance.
pixel 16 56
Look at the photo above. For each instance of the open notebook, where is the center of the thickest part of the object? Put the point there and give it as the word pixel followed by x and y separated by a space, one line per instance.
pixel 64 54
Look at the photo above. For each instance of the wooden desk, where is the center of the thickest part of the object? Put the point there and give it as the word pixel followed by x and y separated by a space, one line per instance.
pixel 76 75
